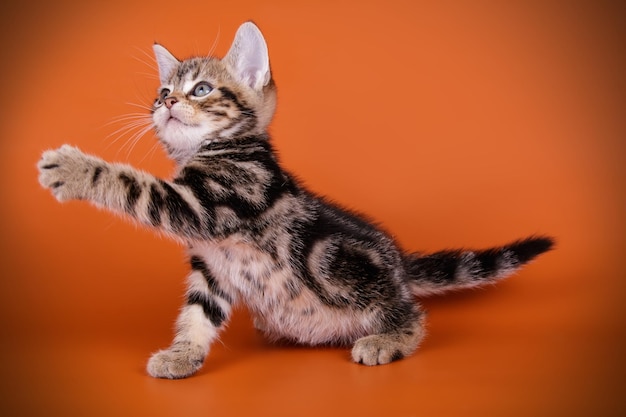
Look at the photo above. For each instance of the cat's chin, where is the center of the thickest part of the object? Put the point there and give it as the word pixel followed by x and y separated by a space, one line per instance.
pixel 181 134
pixel 180 141
pixel 175 123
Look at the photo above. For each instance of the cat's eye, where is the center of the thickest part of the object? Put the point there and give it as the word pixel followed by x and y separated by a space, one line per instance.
pixel 201 89
pixel 164 93
pixel 162 96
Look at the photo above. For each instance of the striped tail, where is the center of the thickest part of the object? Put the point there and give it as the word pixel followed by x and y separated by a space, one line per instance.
pixel 458 269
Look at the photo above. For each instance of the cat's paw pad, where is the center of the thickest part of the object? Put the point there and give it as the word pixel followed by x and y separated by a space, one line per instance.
pixel 378 350
pixel 175 363
pixel 64 172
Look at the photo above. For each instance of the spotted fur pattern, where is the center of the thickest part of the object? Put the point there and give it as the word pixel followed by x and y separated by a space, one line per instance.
pixel 309 271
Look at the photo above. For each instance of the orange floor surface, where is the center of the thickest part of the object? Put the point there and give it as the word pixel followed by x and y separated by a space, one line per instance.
pixel 452 123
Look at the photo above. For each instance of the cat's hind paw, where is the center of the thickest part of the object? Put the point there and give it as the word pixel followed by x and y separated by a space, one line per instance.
pixel 379 349
pixel 176 362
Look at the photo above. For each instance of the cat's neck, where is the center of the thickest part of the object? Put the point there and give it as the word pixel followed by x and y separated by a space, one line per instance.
pixel 183 157
pixel 239 142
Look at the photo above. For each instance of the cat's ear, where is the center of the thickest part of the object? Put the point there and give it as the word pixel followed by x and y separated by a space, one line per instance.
pixel 248 57
pixel 166 62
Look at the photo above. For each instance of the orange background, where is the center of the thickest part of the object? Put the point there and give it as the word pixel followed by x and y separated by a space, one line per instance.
pixel 455 124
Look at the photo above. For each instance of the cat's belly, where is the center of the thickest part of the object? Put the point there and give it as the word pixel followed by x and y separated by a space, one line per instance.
pixel 283 306
pixel 310 322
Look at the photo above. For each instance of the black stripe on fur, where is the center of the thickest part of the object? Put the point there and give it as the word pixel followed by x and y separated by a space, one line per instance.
pixel 133 190
pixel 211 309
pixel 197 264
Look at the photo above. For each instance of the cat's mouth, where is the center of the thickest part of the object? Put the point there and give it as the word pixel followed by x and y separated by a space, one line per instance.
pixel 175 121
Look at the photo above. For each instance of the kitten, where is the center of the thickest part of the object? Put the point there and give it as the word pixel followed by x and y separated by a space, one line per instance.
pixel 309 271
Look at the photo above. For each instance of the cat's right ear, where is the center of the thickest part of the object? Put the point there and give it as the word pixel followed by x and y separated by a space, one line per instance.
pixel 248 57
pixel 166 62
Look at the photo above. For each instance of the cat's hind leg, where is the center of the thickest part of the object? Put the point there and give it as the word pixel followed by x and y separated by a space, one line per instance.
pixel 206 310
pixel 379 349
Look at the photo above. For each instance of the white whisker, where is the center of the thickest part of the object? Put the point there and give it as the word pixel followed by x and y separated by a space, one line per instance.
pixel 141 106
pixel 151 75
pixel 133 127
pixel 150 152
pixel 217 37
pixel 134 139
pixel 132 115
pixel 150 62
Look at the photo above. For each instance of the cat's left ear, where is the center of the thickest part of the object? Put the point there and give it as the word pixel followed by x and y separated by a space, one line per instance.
pixel 248 57
pixel 165 61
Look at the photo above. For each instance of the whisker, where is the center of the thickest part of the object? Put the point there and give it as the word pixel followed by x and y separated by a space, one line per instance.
pixel 137 136
pixel 150 63
pixel 141 106
pixel 217 37
pixel 134 115
pixel 131 142
pixel 126 118
pixel 196 48
pixel 148 75
pixel 134 126
pixel 129 139
pixel 131 125
pixel 150 152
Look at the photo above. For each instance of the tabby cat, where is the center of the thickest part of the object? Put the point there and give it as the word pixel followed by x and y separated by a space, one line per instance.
pixel 309 271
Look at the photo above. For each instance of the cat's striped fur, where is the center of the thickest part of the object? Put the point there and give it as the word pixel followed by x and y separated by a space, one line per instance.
pixel 309 271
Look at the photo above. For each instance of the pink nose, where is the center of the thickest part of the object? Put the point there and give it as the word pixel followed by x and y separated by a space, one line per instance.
pixel 170 101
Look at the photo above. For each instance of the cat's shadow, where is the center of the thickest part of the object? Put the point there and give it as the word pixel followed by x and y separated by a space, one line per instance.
pixel 437 337
pixel 456 303
pixel 241 342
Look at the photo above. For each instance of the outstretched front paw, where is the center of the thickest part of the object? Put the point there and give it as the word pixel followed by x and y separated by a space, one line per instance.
pixel 66 172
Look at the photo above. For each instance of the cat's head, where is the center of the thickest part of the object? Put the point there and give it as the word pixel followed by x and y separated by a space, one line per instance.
pixel 210 99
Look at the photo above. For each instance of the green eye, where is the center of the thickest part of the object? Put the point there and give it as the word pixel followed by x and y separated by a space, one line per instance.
pixel 202 89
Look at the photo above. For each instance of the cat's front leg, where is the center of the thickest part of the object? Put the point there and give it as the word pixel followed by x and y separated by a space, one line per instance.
pixel 194 334
pixel 171 207
pixel 203 316
pixel 68 173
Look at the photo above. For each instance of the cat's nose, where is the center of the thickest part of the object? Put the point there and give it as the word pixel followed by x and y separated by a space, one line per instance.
pixel 170 101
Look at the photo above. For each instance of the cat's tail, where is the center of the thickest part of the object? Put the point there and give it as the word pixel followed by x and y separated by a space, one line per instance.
pixel 458 269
